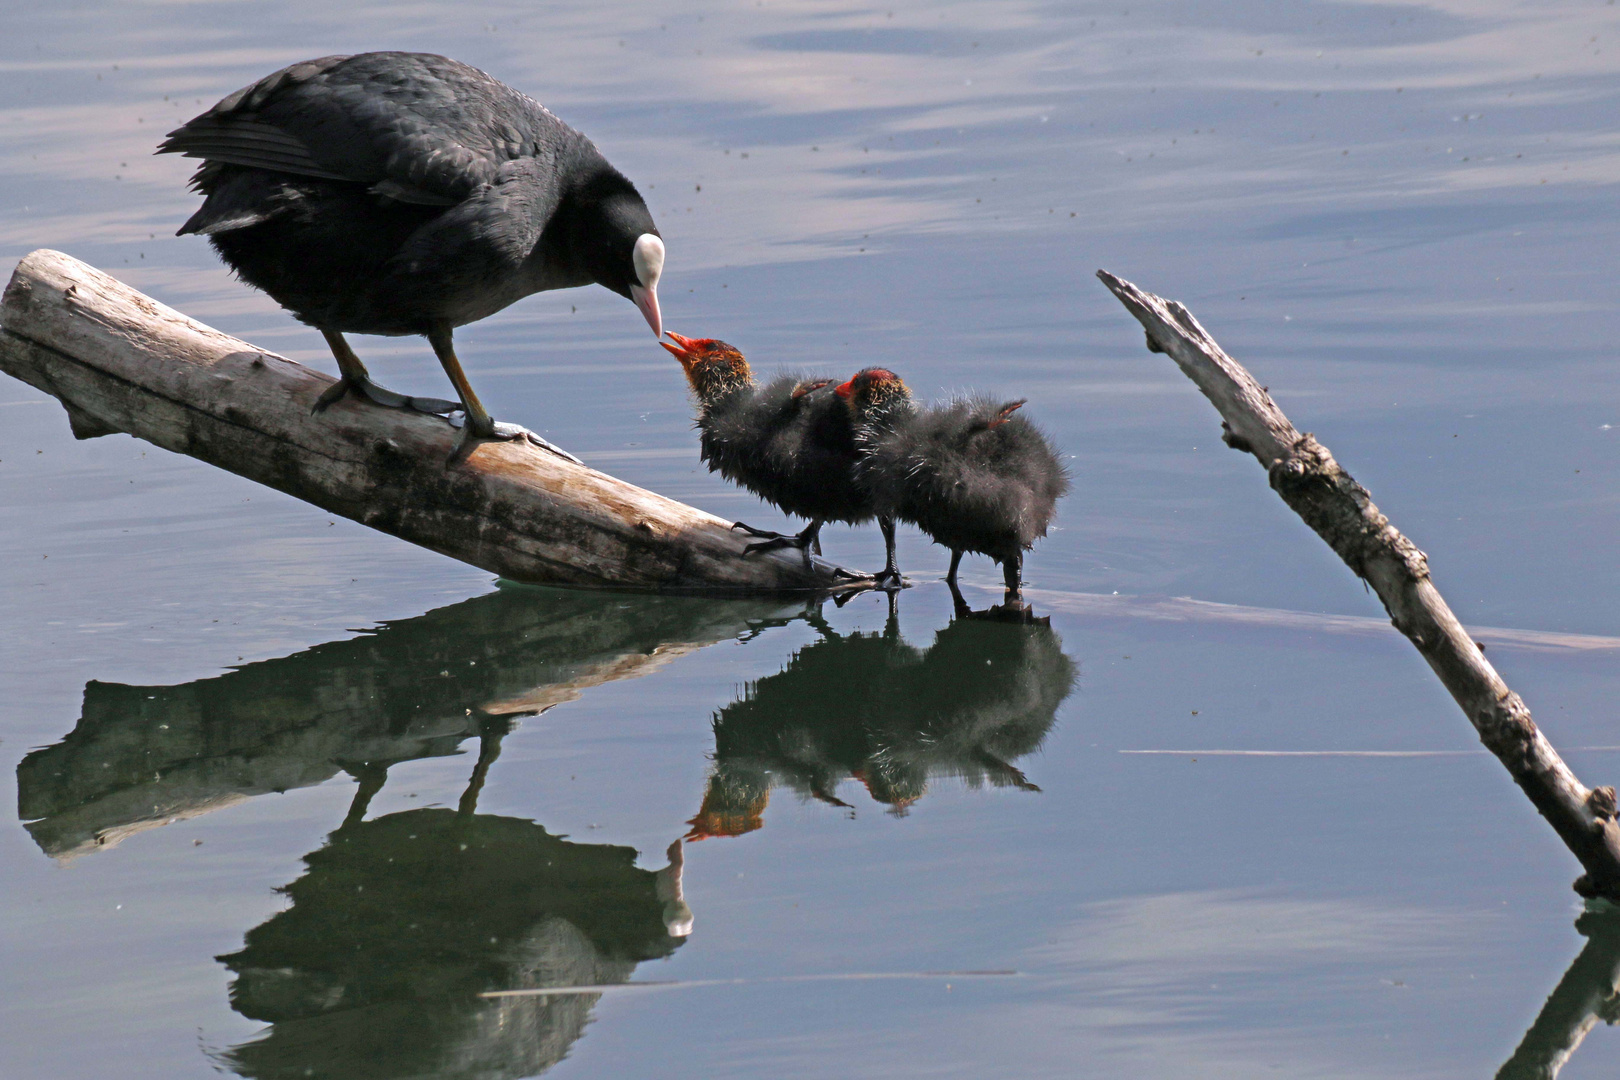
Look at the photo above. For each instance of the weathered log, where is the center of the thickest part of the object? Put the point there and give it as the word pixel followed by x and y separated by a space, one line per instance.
pixel 1342 513
pixel 120 361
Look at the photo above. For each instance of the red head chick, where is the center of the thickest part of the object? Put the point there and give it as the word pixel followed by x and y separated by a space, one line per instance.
pixel 873 394
pixel 713 368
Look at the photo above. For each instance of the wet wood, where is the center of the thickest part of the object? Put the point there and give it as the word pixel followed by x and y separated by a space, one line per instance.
pixel 120 361
pixel 1342 512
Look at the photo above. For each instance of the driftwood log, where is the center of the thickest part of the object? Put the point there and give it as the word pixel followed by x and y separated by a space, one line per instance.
pixel 120 361
pixel 1342 513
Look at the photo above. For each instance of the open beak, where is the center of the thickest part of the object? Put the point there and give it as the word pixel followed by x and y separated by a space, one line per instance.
pixel 681 350
pixel 647 301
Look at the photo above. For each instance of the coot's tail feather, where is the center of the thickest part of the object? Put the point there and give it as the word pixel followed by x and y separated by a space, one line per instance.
pixel 237 198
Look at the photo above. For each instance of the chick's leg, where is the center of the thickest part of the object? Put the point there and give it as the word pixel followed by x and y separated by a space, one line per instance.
pixel 1012 569
pixel 889 576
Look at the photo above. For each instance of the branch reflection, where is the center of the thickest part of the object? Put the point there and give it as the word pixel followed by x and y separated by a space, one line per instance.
pixel 145 756
pixel 1588 992
pixel 401 923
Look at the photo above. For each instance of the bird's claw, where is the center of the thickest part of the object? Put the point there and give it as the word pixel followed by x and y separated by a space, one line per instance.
pixel 330 396
pixel 504 432
pixel 738 526
pixel 381 395
pixel 776 543
pixel 888 580
pixel 430 406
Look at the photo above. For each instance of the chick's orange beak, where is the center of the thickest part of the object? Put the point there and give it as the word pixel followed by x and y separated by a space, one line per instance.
pixel 682 350
pixel 844 390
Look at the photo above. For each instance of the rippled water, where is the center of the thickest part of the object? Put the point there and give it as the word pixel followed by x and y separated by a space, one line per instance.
pixel 292 795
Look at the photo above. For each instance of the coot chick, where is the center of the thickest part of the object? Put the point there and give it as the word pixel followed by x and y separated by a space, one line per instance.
pixel 405 193
pixel 968 473
pixel 790 441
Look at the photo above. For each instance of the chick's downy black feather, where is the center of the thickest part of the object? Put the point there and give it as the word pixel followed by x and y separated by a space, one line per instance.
pixel 969 473
pixel 790 441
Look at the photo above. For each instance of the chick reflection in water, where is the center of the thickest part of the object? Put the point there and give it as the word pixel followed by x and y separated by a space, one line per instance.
pixel 874 708
pixel 401 922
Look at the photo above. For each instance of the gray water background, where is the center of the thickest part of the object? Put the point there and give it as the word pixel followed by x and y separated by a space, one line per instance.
pixel 1399 215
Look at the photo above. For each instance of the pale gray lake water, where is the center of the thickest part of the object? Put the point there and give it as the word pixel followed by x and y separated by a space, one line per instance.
pixel 1401 216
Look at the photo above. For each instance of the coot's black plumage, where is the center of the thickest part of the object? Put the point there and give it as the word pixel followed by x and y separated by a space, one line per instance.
pixel 406 193
pixel 790 441
pixel 968 473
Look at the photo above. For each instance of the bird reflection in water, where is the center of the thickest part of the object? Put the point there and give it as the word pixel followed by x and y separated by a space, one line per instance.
pixel 872 707
pixel 402 922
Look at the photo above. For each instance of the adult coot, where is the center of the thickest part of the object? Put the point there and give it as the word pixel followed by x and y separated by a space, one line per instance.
pixel 790 441
pixel 968 473
pixel 405 193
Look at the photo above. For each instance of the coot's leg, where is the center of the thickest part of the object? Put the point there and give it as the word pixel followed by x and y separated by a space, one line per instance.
pixel 355 379
pixel 491 730
pixel 371 776
pixel 889 576
pixel 1012 569
pixel 956 561
pixel 812 534
pixel 478 423
pixel 804 541
pixel 959 603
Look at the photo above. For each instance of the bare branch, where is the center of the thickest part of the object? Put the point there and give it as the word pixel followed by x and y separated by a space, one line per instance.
pixel 1342 512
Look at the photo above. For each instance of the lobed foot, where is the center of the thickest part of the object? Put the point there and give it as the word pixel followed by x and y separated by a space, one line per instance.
pixel 503 432
pixel 381 395
pixel 776 542
pixel 764 533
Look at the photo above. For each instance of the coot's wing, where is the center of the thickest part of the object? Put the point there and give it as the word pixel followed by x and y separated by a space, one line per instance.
pixel 416 127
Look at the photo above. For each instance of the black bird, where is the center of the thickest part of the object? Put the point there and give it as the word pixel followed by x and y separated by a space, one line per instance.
pixel 406 193
pixel 790 441
pixel 968 473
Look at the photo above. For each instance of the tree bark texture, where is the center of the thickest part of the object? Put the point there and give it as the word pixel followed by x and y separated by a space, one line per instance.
pixel 120 361
pixel 1342 513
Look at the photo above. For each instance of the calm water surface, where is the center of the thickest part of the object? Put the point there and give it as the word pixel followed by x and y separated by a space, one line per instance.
pixel 292 795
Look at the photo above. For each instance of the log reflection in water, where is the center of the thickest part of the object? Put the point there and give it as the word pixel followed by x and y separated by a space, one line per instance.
pixel 399 923
pixel 1588 992
pixel 143 756
pixel 875 708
